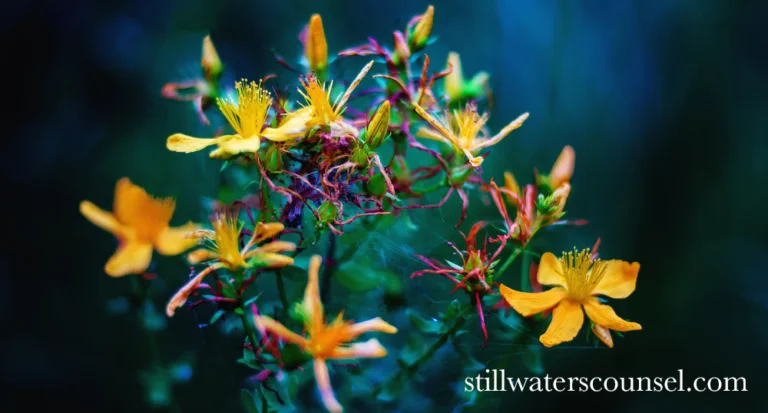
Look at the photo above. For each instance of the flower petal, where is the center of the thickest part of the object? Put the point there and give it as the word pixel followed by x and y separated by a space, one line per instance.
pixel 312 293
pixel 186 144
pixel 264 324
pixel 233 147
pixel 370 349
pixel 502 133
pixel 567 319
pixel 102 219
pixel 131 257
pixel 175 240
pixel 528 304
pixel 184 292
pixel 605 316
pixel 510 183
pixel 562 170
pixel 603 334
pixel 339 104
pixel 374 324
pixel 140 211
pixel 324 385
pixel 276 246
pixel 199 255
pixel 550 271
pixel 619 280
pixel 293 126
pixel 272 260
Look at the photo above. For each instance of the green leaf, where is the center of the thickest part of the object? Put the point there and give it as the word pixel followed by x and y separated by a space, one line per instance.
pixel 414 348
pixel 249 401
pixel 426 325
pixel 216 316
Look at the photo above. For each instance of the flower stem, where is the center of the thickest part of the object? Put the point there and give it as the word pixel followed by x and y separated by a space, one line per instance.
pixel 411 368
pixel 525 280
pixel 508 262
pixel 281 289
pixel 330 266
pixel 248 329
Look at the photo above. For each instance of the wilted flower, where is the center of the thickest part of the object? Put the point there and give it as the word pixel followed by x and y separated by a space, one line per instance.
pixel 464 129
pixel 141 223
pixel 327 341
pixel 578 280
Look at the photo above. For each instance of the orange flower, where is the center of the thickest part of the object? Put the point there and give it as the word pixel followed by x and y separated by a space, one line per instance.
pixel 578 279
pixel 326 341
pixel 140 222
pixel 561 172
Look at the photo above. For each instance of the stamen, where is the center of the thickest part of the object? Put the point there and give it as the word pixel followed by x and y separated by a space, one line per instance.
pixel 581 273
pixel 248 115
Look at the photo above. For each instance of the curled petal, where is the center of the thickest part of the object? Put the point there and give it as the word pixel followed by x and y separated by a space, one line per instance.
pixel 264 323
pixel 324 385
pixel 374 324
pixel 233 147
pixel 184 292
pixel 312 293
pixel 605 316
pixel 102 219
pixel 368 350
pixel 272 260
pixel 276 246
pixel 562 170
pixel 550 271
pixel 186 144
pixel 503 133
pixel 619 280
pixel 567 319
pixel 510 183
pixel 200 255
pixel 266 231
pixel 174 241
pixel 131 257
pixel 528 304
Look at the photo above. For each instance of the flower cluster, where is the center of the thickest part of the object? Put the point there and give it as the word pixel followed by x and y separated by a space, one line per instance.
pixel 313 169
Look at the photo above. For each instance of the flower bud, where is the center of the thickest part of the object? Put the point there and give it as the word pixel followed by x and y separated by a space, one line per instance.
pixel 210 63
pixel 562 170
pixel 327 212
pixel 359 157
pixel 316 47
pixel 377 131
pixel 273 159
pixel 603 334
pixel 457 88
pixel 402 52
pixel 419 35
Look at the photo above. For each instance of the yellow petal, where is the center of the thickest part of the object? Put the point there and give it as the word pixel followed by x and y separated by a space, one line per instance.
pixel 267 324
pixel 619 280
pixel 369 350
pixel 550 271
pixel 604 315
pixel 324 385
pixel 567 319
pixel 603 334
pixel 184 292
pixel 510 183
pixel 175 240
pixel 186 144
pixel 293 126
pixel 339 105
pixel 141 212
pixel 562 170
pixel 102 219
pixel 374 324
pixel 439 127
pixel 271 260
pixel 312 293
pixel 232 147
pixel 132 257
pixel 503 133
pixel 200 255
pixel 528 304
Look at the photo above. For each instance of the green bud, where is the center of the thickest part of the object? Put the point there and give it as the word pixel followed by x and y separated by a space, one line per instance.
pixel 360 157
pixel 376 132
pixel 328 212
pixel 460 174
pixel 419 35
pixel 273 159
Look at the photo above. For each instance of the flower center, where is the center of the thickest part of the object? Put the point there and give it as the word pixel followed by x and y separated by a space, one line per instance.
pixel 323 340
pixel 227 241
pixel 467 123
pixel 319 99
pixel 248 115
pixel 581 273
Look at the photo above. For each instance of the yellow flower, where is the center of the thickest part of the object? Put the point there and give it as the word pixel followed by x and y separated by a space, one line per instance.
pixel 316 48
pixel 464 129
pixel 318 110
pixel 327 341
pixel 140 223
pixel 578 280
pixel 224 251
pixel 457 88
pixel 247 116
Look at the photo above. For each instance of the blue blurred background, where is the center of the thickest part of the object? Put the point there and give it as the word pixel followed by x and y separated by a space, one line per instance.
pixel 663 101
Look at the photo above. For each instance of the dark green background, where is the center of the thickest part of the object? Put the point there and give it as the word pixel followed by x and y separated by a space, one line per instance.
pixel 664 102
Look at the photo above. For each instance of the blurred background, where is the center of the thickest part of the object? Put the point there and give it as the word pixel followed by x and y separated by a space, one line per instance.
pixel 664 102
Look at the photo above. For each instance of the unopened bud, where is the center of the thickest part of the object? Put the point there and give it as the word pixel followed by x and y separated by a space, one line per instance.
pixel 210 62
pixel 419 36
pixel 377 131
pixel 562 170
pixel 402 52
pixel 327 212
pixel 273 159
pixel 316 47
pixel 603 334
